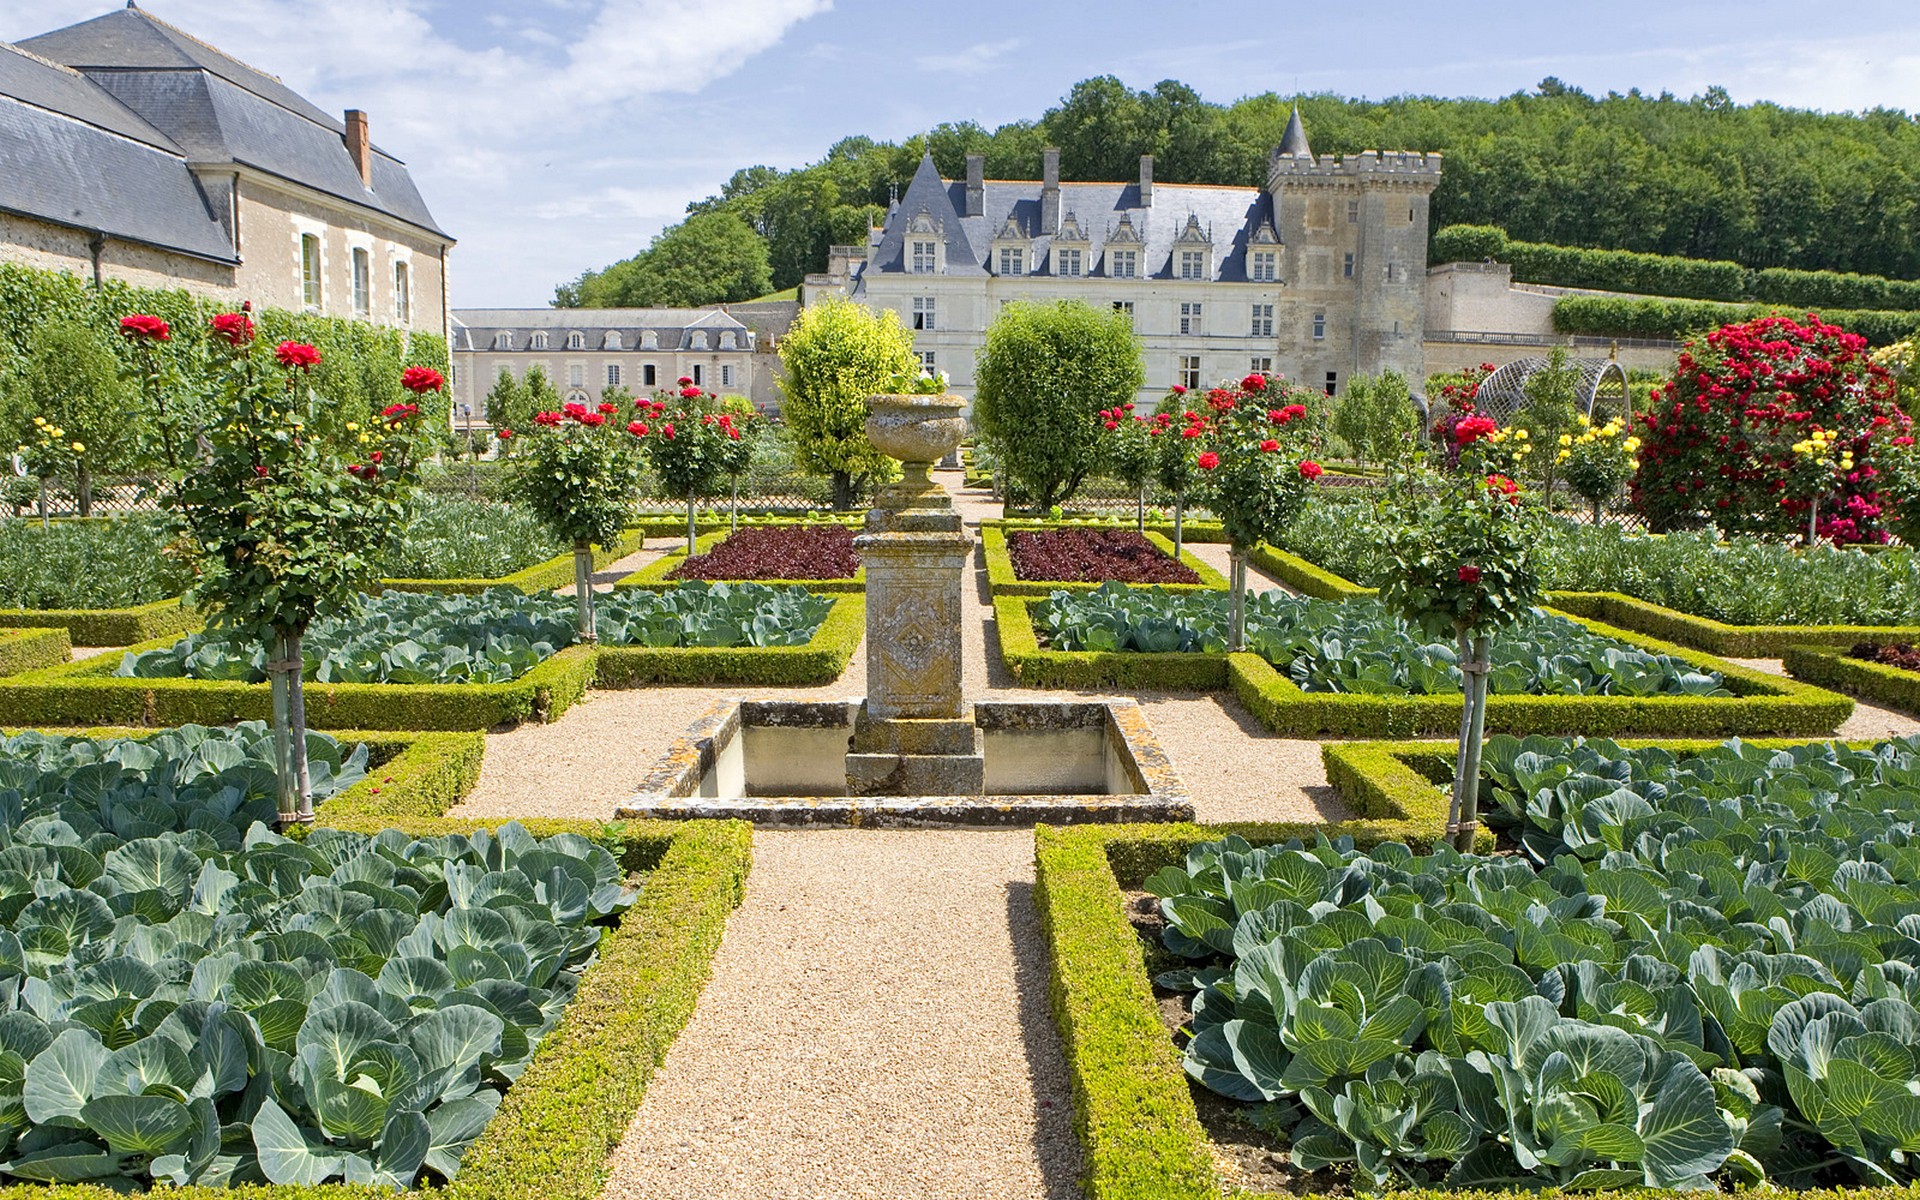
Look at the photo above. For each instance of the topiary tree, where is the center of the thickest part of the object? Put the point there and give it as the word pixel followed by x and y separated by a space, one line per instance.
pixel 290 522
pixel 1043 374
pixel 1462 564
pixel 1717 443
pixel 834 357
pixel 1132 448
pixel 67 409
pixel 691 443
pixel 1173 460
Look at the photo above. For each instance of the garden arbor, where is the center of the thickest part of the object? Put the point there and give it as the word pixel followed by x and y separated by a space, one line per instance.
pixel 1602 388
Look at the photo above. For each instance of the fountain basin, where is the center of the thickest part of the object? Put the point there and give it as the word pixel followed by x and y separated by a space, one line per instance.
pixel 784 763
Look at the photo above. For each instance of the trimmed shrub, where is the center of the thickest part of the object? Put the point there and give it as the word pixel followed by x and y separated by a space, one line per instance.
pixel 1677 320
pixel 31 649
pixel 556 572
pixel 1832 667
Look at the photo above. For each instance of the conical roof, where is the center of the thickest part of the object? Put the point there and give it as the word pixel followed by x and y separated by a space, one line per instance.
pixel 1294 140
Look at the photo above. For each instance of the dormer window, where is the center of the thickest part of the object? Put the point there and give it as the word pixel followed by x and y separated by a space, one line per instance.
pixel 649 340
pixel 611 342
pixel 503 340
pixel 1124 245
pixel 1193 251
pixel 1263 266
pixel 537 342
pixel 1013 261
pixel 1066 262
pixel 698 341
pixel 1193 264
pixel 576 341
pixel 1123 264
pixel 924 257
pixel 727 341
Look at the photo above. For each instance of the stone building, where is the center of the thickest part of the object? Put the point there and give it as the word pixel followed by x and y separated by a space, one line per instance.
pixel 134 151
pixel 1321 275
pixel 583 350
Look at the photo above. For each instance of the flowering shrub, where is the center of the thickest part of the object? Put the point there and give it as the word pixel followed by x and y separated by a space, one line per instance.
pixel 1597 461
pixel 691 443
pixel 1717 443
pixel 1133 450
pixel 1251 446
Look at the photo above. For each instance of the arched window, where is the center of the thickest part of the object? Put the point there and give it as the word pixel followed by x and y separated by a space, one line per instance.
pixel 612 341
pixel 699 341
pixel 576 341
pixel 537 342
pixel 649 340
pixel 727 340
pixel 576 397
pixel 503 340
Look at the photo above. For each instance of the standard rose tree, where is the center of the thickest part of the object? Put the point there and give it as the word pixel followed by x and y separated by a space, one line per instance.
pixel 289 523
pixel 1133 451
pixel 1463 565
pixel 576 470
pixel 692 444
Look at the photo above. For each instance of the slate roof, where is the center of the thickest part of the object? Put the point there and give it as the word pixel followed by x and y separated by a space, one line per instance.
pixel 1294 140
pixel 474 328
pixel 1228 214
pixel 219 110
pixel 75 156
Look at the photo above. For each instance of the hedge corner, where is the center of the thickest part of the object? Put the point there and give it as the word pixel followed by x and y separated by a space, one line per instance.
pixel 822 659
pixel 1881 683
pixel 31 648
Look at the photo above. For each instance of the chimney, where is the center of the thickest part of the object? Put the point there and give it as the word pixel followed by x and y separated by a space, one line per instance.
pixel 976 184
pixel 1050 191
pixel 359 146
pixel 1146 181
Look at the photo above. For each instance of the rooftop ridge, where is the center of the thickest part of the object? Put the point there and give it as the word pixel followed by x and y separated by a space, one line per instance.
pixel 204 45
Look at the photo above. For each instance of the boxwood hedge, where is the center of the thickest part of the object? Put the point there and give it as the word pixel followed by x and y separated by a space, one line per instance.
pixel 1004 581
pixel 109 626
pixel 30 649
pixel 1834 668
pixel 556 572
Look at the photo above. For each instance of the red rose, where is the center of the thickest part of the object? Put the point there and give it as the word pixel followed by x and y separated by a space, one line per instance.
pixel 690 393
pixel 666 431
pixel 684 380
pixel 396 413
pixel 236 329
pixel 1112 425
pixel 733 433
pixel 1472 429
pixel 504 434
pixel 297 354
pixel 1469 574
pixel 608 407
pixel 637 428
pixel 1903 440
pixel 1190 431
pixel 548 419
pixel 1208 460
pixel 593 419
pixel 1269 446
pixel 1254 383
pixel 421 380
pixel 574 409
pixel 1310 469
pixel 139 325
pixel 1179 390
pixel 260 472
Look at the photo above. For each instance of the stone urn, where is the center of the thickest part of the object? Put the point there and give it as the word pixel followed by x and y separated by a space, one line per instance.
pixel 916 429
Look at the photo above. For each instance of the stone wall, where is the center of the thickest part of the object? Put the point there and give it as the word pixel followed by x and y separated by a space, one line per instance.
pixel 58 248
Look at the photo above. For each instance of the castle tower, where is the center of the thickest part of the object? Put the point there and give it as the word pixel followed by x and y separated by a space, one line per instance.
pixel 1354 232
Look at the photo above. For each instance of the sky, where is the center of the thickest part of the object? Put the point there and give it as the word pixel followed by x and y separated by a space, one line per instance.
pixel 553 136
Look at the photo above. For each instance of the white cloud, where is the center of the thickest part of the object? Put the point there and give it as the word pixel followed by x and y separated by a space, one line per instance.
pixel 976 59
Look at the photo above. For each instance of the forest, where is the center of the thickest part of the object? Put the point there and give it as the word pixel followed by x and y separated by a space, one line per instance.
pixel 1700 177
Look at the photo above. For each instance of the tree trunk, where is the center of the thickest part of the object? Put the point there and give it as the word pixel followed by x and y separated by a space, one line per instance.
pixel 733 513
pixel 44 514
pixel 583 583
pixel 1813 520
pixel 1464 812
pixel 1596 513
pixel 1179 520
pixel 1237 583
pixel 285 782
pixel 297 731
pixel 842 491
pixel 83 490
pixel 1140 510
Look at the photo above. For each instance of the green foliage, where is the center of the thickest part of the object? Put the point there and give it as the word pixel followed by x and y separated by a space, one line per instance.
pixel 1552 403
pixel 1462 563
pixel 115 563
pixel 1668 275
pixel 709 258
pixel 510 405
pixel 575 471
pixel 66 407
pixel 31 648
pixel 1042 375
pixel 836 355
pixel 1375 417
pixel 1834 667
pixel 1597 461
pixel 693 445
pixel 1677 320
pixel 452 537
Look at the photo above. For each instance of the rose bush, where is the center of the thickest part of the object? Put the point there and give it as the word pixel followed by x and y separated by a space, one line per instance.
pixel 692 444
pixel 1717 443
pixel 1597 461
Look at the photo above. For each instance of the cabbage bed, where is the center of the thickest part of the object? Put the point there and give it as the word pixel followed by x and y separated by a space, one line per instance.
pixel 1358 646
pixel 188 997
pixel 1702 970
pixel 494 636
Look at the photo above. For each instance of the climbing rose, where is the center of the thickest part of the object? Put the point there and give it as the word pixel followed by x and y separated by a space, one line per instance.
pixel 1209 460
pixel 297 354
pixel 1469 574
pixel 1310 469
pixel 637 428
pixel 421 380
pixel 1472 429
pixel 236 329
pixel 1254 382
pixel 140 325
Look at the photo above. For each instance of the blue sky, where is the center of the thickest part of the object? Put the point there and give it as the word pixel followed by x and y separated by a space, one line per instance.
pixel 556 135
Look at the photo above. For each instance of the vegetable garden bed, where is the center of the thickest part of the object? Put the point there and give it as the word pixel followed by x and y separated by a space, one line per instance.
pixel 1135 1106
pixel 819 557
pixel 90 692
pixel 1005 580
pixel 1193 529
pixel 1759 704
pixel 409 989
pixel 544 576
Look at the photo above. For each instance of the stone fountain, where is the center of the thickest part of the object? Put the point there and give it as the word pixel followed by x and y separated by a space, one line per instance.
pixel 915 751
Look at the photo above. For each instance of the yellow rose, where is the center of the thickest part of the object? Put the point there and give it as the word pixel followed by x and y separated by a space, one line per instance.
pixel 1563 456
pixel 1566 439
pixel 1521 434
pixel 79 448
pixel 39 420
pixel 1633 464
pixel 353 427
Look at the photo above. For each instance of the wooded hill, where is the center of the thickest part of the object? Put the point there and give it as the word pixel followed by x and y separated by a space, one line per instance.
pixel 1757 184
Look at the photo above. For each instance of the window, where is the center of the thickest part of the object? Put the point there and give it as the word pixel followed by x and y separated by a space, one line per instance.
pixel 1319 327
pixel 576 341
pixel 1190 319
pixel 1266 266
pixel 537 342
pixel 726 375
pixel 923 312
pixel 1333 381
pixel 649 375
pixel 1190 372
pixel 1124 306
pixel 1353 212
pixel 576 376
pixel 503 340
pixel 613 374
pixel 1125 264
pixel 699 379
pixel 923 258
pixel 1013 262
pixel 402 294
pixel 1262 321
pixel 1260 364
pixel 1068 264
pixel 649 339
pixel 612 341
pixel 1193 264
pixel 698 341
pixel 726 340
pixel 1390 272
pixel 310 269
pixel 926 361
pixel 362 283
pixel 1409 214
pixel 1346 266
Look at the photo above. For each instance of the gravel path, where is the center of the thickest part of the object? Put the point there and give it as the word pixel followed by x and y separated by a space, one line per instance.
pixel 876 1027
pixel 1869 720
pixel 1215 555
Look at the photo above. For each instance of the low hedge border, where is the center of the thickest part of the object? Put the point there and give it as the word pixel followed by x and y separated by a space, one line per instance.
pixel 1193 529
pixel 556 572
pixel 1002 579
pixel 1718 637
pixel 653 576
pixel 821 660
pixel 109 626
pixel 1303 577
pixel 1133 1105
pixel 1833 668
pixel 30 649
pixel 1761 703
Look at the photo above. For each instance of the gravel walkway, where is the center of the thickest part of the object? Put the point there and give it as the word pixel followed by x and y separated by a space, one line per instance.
pixel 876 1027
pixel 1869 720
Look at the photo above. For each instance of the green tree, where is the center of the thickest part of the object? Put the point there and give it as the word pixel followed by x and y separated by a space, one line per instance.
pixel 542 396
pixel 1552 403
pixel 509 406
pixel 1376 418
pixel 70 379
pixel 709 258
pixel 1043 376
pixel 834 357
